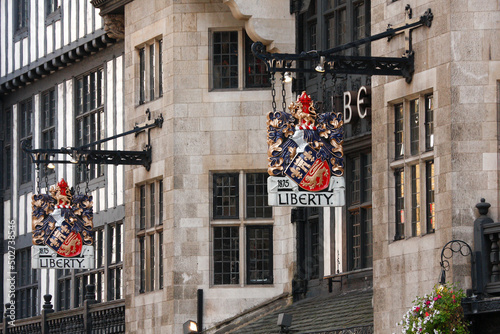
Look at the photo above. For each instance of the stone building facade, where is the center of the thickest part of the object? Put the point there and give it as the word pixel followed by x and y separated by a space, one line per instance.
pixel 214 131
pixel 456 88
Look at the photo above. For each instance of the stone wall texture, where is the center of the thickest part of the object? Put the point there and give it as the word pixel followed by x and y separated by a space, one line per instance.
pixel 457 59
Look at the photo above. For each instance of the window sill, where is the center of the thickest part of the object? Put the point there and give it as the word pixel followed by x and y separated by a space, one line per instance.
pixel 353 273
pixel 53 17
pixel 20 34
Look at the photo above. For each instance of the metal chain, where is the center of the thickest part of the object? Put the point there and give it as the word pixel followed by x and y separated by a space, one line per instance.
pixel 87 178
pixel 78 172
pixel 37 172
pixel 334 90
pixel 45 172
pixel 323 88
pixel 273 91
pixel 283 92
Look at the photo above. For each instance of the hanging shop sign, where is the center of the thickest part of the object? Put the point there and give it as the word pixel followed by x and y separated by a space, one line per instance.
pixel 62 229
pixel 306 158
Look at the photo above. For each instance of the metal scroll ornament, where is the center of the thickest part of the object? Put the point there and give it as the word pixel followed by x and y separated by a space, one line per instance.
pixel 305 155
pixel 62 220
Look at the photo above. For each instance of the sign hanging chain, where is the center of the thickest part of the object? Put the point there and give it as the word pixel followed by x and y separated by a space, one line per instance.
pixel 78 172
pixel 273 91
pixel 283 92
pixel 45 173
pixel 323 88
pixel 87 178
pixel 37 172
pixel 334 89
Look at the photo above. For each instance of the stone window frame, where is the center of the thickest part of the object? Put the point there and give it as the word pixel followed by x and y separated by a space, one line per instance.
pixel 150 70
pixel 149 235
pixel 240 222
pixel 244 48
pixel 413 209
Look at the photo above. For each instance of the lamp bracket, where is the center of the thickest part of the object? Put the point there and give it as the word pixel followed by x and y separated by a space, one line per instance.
pixel 336 63
pixel 88 154
pixel 451 247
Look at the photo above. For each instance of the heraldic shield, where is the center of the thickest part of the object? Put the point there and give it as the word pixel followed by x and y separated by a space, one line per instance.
pixel 62 220
pixel 309 171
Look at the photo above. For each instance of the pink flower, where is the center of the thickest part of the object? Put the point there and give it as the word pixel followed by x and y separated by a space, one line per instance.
pixel 439 297
pixel 428 302
pixel 417 309
pixel 435 298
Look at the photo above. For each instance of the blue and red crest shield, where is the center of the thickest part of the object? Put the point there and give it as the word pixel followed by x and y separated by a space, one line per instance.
pixel 309 171
pixel 62 221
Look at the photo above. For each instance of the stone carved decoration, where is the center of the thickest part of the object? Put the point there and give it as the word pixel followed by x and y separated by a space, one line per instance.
pixel 263 19
pixel 114 25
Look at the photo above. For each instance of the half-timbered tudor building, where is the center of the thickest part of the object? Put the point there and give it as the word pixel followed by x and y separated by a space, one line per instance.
pixel 61 79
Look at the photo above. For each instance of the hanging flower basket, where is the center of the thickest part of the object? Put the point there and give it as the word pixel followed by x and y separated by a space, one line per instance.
pixel 439 312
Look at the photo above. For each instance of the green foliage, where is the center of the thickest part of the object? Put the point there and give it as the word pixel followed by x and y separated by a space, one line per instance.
pixel 439 312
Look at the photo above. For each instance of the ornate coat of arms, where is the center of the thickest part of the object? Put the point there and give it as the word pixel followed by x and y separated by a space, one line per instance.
pixel 305 155
pixel 62 220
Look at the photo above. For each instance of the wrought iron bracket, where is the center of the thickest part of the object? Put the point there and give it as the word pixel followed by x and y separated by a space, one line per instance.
pixel 450 248
pixel 87 154
pixel 336 63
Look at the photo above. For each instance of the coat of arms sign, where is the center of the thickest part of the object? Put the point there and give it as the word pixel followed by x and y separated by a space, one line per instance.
pixel 306 159
pixel 62 229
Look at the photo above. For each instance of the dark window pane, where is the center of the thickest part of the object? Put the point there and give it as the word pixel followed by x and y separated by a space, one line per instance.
pixel 256 196
pixel 142 75
pixel 399 131
pixel 415 200
pixel 400 205
pixel 429 123
pixel 142 265
pixel 226 199
pixel 414 127
pixel 142 207
pixel 429 188
pixel 259 255
pixel 256 74
pixel 226 255
pixel 225 55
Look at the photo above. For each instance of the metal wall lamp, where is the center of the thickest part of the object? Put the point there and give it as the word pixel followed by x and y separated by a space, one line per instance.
pixel 330 61
pixel 86 154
